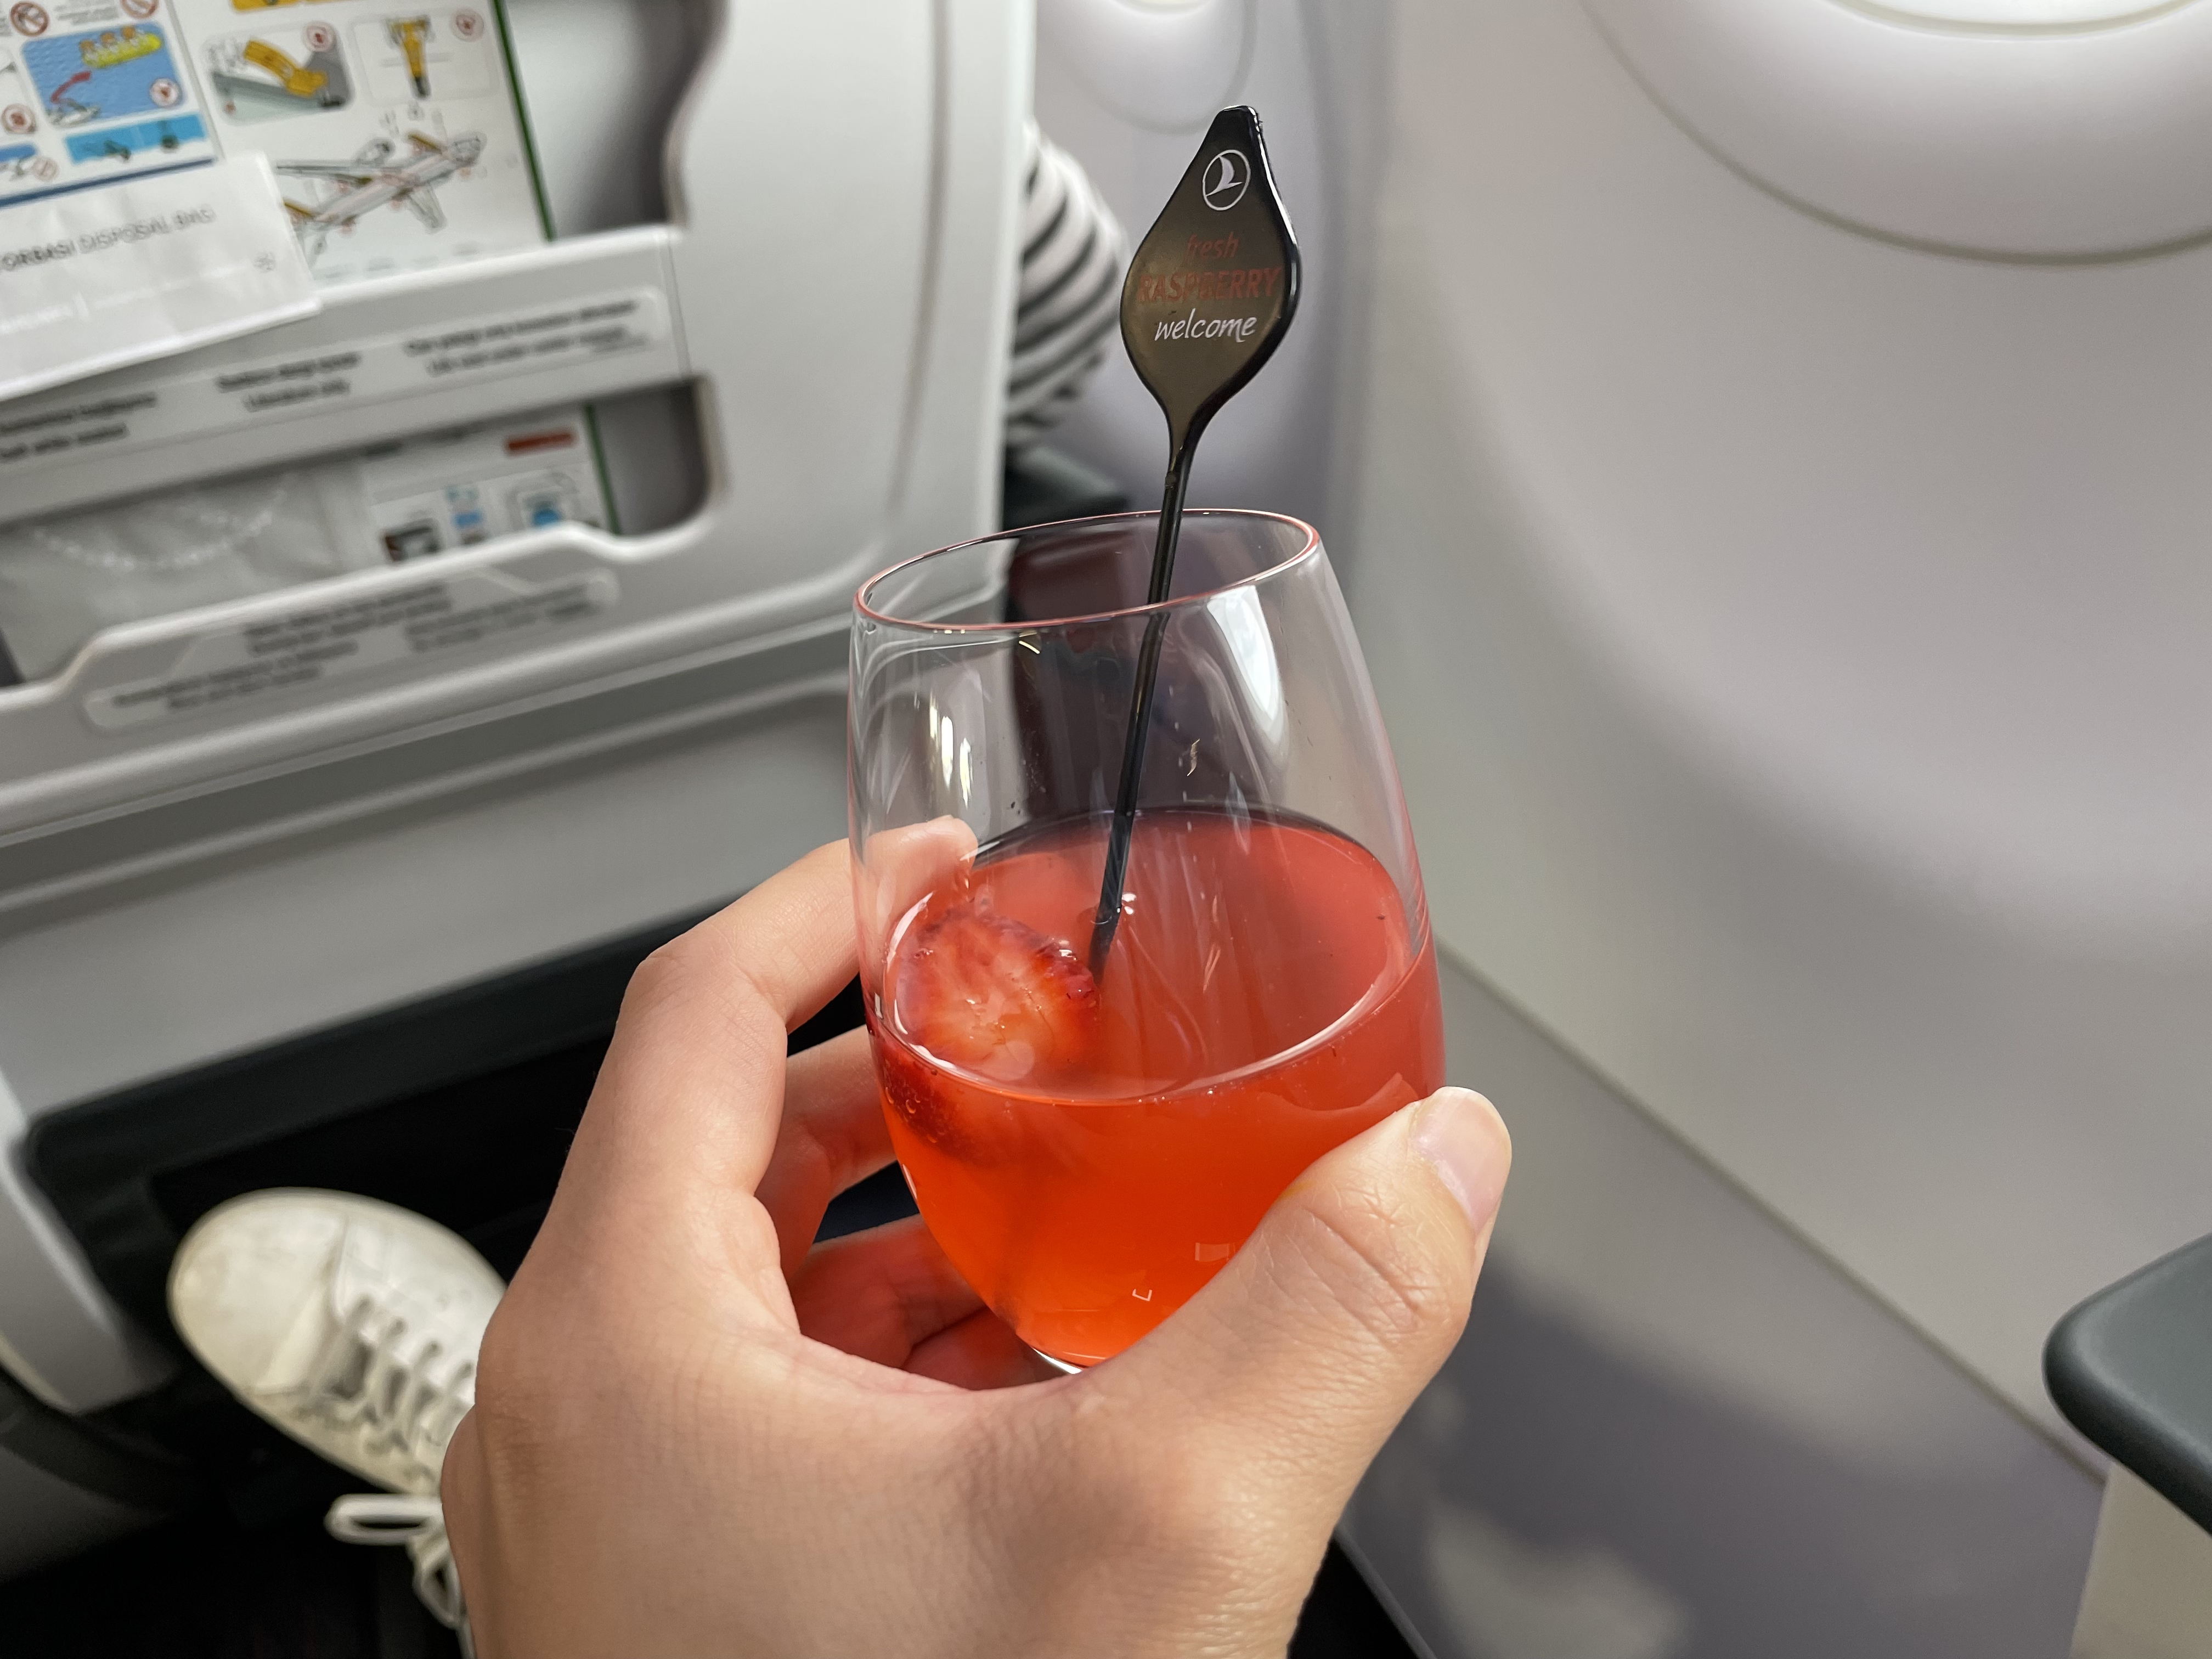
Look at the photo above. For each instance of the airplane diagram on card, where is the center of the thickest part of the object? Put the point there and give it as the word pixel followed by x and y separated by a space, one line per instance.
pixel 395 129
pixel 384 175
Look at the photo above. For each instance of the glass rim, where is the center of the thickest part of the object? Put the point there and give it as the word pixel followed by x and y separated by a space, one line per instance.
pixel 862 608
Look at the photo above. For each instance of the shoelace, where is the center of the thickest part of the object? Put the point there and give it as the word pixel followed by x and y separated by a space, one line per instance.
pixel 418 1523
pixel 394 1401
pixel 365 1382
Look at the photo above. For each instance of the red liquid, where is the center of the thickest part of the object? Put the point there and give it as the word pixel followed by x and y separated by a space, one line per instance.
pixel 1267 999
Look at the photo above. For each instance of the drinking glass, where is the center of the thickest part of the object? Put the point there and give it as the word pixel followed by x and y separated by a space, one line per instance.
pixel 1088 1147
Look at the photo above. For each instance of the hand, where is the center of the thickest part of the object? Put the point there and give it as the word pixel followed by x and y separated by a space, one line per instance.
pixel 694 1434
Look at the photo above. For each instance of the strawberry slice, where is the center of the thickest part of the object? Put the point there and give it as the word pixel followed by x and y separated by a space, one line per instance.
pixel 994 996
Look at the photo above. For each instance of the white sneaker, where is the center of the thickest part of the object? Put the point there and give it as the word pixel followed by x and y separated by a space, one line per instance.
pixel 354 1326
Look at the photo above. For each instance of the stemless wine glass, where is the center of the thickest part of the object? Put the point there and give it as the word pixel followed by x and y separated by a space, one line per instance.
pixel 1089 1148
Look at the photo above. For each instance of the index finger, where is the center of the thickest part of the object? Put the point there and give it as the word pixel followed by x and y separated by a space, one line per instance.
pixel 691 1090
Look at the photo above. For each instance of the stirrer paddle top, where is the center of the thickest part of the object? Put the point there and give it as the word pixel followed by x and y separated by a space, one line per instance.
pixel 1209 296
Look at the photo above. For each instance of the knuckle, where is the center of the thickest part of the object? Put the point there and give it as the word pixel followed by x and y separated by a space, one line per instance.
pixel 662 976
pixel 694 976
pixel 1164 1508
pixel 505 1368
pixel 524 1375
pixel 528 1409
pixel 686 985
pixel 1189 1507
pixel 1175 1497
pixel 1370 1267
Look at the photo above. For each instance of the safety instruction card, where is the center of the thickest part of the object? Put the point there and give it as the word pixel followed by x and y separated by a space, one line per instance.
pixel 396 136
pixel 394 131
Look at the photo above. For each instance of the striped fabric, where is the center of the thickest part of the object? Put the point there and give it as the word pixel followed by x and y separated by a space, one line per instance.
pixel 1069 301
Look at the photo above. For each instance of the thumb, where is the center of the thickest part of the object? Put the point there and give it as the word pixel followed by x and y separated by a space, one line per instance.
pixel 1304 1352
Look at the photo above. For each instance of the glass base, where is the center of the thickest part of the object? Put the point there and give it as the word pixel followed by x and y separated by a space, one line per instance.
pixel 1060 1366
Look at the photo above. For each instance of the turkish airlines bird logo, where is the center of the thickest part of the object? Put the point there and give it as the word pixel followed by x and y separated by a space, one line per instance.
pixel 1226 177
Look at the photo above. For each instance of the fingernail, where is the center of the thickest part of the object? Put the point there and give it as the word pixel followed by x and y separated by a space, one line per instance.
pixel 1457 1132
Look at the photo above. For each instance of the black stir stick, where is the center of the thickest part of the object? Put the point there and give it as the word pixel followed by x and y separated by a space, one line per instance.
pixel 1208 298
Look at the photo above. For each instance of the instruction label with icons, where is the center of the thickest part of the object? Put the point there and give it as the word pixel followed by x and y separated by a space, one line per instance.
pixel 92 91
pixel 394 128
